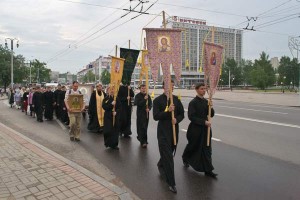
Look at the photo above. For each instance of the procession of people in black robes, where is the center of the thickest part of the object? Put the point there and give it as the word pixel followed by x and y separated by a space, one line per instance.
pixel 112 117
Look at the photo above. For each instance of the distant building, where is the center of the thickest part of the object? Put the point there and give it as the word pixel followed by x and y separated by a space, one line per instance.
pixel 192 38
pixel 275 63
pixel 68 77
pixel 96 66
pixel 54 75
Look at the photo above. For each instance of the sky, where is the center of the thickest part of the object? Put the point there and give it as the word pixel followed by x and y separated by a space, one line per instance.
pixel 58 31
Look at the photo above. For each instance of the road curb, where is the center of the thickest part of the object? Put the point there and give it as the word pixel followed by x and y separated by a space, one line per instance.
pixel 123 195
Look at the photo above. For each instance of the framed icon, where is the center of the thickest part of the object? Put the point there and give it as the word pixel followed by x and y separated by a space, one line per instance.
pixel 75 102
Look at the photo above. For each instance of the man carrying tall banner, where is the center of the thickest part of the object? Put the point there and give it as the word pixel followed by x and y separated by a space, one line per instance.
pixel 126 93
pixel 164 47
pixel 112 106
pixel 198 150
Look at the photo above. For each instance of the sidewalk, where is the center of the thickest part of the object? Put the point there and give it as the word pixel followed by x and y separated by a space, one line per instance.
pixel 31 171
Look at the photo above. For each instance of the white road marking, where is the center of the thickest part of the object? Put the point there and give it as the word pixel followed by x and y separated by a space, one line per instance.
pixel 257 105
pixel 60 124
pixel 267 111
pixel 259 121
pixel 215 139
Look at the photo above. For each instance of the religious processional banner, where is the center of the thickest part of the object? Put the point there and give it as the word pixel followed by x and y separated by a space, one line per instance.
pixel 130 56
pixel 164 48
pixel 117 65
pixel 145 64
pixel 213 58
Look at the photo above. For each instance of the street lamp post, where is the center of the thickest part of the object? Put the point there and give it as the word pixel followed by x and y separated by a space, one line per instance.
pixel 283 83
pixel 12 57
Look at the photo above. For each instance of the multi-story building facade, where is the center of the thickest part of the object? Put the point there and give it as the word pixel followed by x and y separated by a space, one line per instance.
pixel 194 33
pixel 96 67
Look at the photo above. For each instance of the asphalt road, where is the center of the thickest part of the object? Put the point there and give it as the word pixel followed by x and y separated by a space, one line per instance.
pixel 255 152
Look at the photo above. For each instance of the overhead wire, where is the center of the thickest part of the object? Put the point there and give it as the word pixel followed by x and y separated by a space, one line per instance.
pixel 259 16
pixel 79 45
pixel 77 40
pixel 274 8
pixel 265 23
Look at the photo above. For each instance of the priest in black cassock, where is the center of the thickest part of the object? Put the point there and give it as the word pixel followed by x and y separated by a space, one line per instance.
pixel 162 113
pixel 126 109
pixel 57 95
pixel 38 103
pixel 197 154
pixel 144 104
pixel 49 103
pixel 96 112
pixel 110 130
pixel 64 117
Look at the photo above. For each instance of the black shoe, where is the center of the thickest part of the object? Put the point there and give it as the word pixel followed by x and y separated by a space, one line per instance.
pixel 211 174
pixel 77 139
pixel 186 164
pixel 115 148
pixel 72 138
pixel 173 189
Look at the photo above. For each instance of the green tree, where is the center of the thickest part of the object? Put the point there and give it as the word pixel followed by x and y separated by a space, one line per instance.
pixel 247 67
pixel 88 77
pixel 262 75
pixel 4 66
pixel 105 77
pixel 288 72
pixel 259 78
pixel 39 72
pixel 235 72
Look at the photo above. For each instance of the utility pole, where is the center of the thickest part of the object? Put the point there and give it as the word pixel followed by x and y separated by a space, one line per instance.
pixel 30 72
pixel 12 57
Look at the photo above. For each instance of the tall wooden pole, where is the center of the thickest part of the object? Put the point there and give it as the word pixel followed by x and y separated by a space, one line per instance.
pixel 164 19
pixel 147 77
pixel 128 90
pixel 170 91
pixel 210 95
pixel 115 88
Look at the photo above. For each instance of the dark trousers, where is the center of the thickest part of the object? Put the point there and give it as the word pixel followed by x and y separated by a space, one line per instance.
pixel 166 163
pixel 39 113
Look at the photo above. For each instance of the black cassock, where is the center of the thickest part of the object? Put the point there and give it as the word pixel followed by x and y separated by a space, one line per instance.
pixel 196 152
pixel 64 117
pixel 94 123
pixel 58 109
pixel 38 102
pixel 126 110
pixel 142 117
pixel 110 131
pixel 48 102
pixel 165 135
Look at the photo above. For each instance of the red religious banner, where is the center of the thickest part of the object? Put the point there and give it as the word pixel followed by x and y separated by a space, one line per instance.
pixel 213 58
pixel 164 48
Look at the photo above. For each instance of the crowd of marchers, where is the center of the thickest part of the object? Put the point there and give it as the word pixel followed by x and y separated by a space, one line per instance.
pixel 111 116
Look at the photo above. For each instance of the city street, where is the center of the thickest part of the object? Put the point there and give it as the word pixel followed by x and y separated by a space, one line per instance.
pixel 255 152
